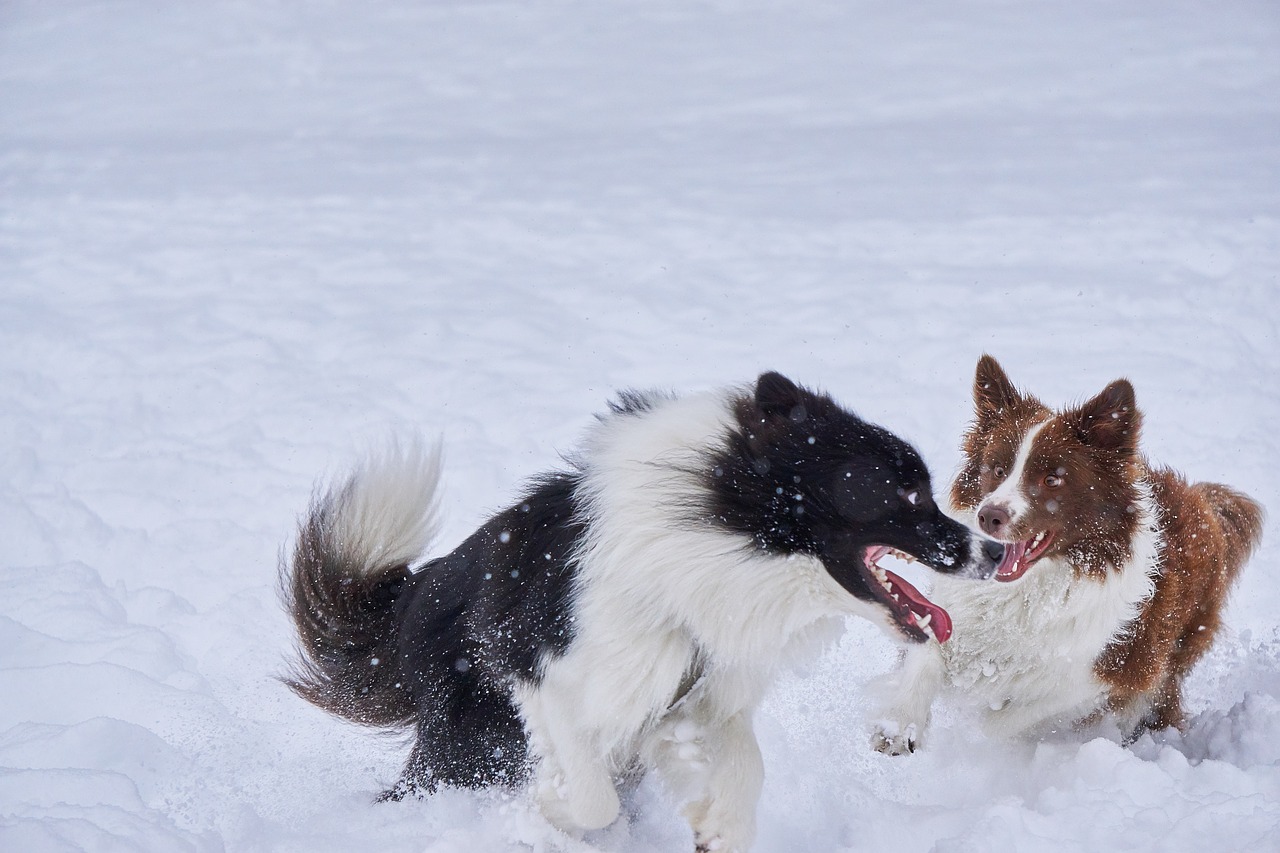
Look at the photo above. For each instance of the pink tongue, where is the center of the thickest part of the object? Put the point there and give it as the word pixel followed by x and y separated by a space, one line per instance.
pixel 1013 552
pixel 940 621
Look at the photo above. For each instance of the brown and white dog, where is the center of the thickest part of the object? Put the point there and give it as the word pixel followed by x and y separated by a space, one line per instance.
pixel 1114 577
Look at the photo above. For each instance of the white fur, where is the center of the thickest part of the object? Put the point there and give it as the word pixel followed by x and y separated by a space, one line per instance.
pixel 1011 493
pixel 1022 653
pixel 388 512
pixel 663 599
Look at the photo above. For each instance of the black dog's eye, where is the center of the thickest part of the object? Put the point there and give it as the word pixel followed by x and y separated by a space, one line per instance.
pixel 915 497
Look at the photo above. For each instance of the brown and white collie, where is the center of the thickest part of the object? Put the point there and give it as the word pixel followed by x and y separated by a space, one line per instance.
pixel 1114 577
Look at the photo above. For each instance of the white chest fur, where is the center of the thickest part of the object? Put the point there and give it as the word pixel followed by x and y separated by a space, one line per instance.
pixel 1024 652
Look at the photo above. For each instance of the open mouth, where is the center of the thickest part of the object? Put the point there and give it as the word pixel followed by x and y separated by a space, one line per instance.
pixel 918 617
pixel 1018 556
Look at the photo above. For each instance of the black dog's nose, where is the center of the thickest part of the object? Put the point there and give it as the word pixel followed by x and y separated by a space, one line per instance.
pixel 994 550
pixel 991 518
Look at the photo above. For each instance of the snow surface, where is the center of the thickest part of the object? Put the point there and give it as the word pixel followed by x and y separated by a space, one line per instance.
pixel 240 242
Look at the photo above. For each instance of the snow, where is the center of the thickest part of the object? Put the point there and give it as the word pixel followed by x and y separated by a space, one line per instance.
pixel 242 242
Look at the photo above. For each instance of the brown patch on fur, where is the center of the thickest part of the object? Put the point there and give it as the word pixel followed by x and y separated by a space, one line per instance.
pixel 1082 480
pixel 1209 532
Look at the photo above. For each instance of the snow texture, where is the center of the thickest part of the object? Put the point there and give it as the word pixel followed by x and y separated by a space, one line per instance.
pixel 243 241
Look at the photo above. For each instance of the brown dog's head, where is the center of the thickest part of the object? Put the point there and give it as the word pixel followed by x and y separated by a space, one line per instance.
pixel 1051 484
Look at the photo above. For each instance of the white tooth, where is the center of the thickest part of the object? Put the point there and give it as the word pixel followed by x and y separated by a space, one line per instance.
pixel 924 623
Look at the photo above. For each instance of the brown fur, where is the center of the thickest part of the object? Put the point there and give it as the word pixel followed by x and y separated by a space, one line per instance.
pixel 1209 532
pixel 1083 479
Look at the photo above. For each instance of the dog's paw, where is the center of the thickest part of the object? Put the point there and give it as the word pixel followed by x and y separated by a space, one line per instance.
pixel 895 740
pixel 574 808
pixel 407 789
pixel 712 844
pixel 717 830
pixel 715 844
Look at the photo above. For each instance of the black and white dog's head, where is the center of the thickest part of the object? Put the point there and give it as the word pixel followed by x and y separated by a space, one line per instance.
pixel 801 475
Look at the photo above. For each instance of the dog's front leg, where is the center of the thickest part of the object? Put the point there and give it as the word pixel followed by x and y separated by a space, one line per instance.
pixel 718 767
pixel 907 701
pixel 724 820
pixel 572 782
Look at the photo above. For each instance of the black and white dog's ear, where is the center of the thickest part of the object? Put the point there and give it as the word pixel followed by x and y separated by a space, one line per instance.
pixel 778 396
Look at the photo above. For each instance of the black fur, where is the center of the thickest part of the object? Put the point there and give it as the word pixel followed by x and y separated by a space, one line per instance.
pixel 491 611
pixel 636 402
pixel 803 475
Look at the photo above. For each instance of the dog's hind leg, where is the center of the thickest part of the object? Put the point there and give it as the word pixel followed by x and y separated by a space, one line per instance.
pixel 468 736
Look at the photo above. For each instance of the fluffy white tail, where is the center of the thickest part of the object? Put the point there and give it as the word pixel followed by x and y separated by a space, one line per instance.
pixel 353 553
pixel 387 511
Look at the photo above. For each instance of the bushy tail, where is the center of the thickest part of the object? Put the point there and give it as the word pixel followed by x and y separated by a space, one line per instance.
pixel 352 556
pixel 1242 518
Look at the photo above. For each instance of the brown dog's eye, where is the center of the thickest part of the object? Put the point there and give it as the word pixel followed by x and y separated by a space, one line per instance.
pixel 998 471
pixel 1053 481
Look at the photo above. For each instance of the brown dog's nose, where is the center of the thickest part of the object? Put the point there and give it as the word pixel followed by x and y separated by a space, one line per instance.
pixel 993 518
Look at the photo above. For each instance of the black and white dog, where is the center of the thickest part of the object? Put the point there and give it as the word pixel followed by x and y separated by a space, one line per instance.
pixel 627 613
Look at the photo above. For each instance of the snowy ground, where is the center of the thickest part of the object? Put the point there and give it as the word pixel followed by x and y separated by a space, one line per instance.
pixel 241 241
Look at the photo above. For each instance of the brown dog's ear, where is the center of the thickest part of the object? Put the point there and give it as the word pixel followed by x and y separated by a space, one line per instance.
pixel 993 393
pixel 1110 421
